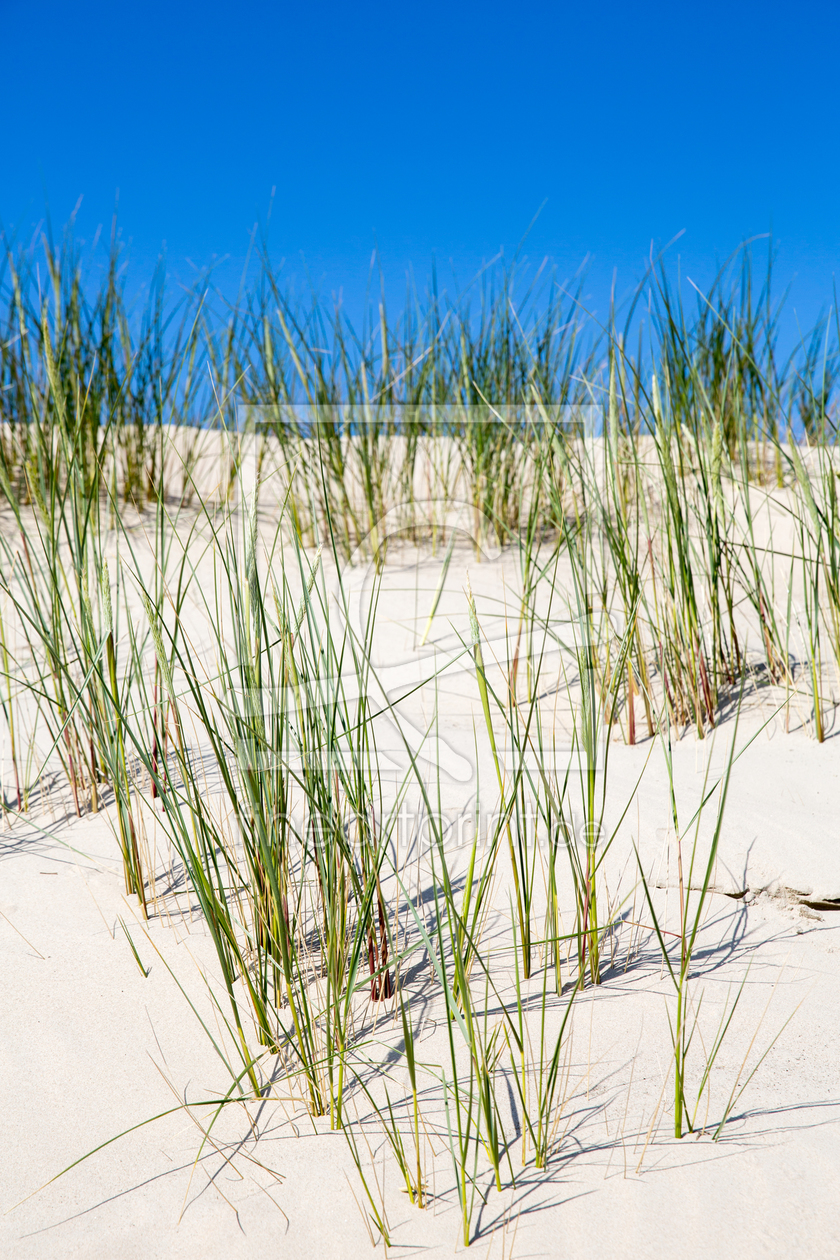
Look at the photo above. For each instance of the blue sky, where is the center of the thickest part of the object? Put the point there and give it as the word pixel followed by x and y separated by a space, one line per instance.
pixel 430 128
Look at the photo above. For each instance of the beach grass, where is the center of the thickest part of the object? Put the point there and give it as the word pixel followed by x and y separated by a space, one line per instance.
pixel 191 494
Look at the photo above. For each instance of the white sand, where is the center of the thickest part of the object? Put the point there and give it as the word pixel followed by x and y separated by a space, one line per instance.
pixel 90 1047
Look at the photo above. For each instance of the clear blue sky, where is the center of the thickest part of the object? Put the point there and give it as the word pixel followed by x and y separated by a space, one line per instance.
pixel 437 127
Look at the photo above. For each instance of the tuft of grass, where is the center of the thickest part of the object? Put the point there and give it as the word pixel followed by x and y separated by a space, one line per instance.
pixel 191 647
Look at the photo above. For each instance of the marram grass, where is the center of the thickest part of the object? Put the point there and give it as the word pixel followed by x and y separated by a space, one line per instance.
pixel 124 477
